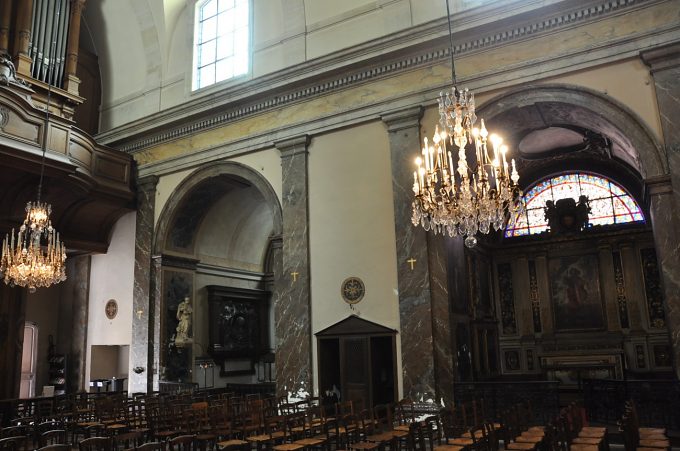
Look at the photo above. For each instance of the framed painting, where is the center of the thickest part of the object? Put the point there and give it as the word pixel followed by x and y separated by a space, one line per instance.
pixel 575 288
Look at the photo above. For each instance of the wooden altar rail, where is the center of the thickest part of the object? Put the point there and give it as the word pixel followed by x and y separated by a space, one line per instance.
pixel 657 401
pixel 500 396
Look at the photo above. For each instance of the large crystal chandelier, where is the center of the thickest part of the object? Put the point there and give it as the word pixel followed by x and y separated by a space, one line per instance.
pixel 36 257
pixel 469 197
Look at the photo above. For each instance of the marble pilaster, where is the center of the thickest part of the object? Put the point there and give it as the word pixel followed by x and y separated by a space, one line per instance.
pixel 73 319
pixel 12 316
pixel 664 65
pixel 630 261
pixel 667 251
pixel 292 303
pixel 442 341
pixel 143 317
pixel 415 307
pixel 544 293
pixel 607 282
pixel 520 275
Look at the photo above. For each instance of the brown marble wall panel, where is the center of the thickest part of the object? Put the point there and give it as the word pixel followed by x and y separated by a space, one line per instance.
pixel 415 308
pixel 292 303
pixel 608 287
pixel 665 68
pixel 144 316
pixel 73 317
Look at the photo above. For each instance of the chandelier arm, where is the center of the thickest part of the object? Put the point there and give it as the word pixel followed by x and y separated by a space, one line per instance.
pixel 49 98
pixel 453 64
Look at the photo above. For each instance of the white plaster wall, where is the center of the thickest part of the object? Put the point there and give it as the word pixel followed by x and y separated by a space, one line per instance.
pixel 351 227
pixel 111 277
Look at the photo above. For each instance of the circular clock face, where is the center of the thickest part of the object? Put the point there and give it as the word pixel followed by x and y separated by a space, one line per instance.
pixel 352 290
pixel 111 309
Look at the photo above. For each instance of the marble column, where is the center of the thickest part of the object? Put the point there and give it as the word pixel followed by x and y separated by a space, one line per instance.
pixel 664 65
pixel 292 304
pixel 143 314
pixel 415 308
pixel 73 320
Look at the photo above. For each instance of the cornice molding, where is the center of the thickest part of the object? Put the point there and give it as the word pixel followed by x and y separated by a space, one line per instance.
pixel 269 92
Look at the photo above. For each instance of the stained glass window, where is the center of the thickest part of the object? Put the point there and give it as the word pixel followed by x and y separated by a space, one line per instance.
pixel 221 42
pixel 609 202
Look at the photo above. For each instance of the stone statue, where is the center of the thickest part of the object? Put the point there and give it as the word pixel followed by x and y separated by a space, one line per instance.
pixel 184 312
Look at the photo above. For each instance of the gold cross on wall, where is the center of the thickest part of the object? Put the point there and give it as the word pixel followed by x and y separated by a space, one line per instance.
pixel 412 261
pixel 294 274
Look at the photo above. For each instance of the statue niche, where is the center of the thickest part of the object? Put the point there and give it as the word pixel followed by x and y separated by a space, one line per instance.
pixel 238 328
pixel 566 215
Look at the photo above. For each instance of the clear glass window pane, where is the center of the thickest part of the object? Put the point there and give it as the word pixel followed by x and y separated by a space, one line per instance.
pixel 209 29
pixel 226 4
pixel 225 46
pixel 206 76
pixel 225 69
pixel 209 9
pixel 206 54
pixel 226 23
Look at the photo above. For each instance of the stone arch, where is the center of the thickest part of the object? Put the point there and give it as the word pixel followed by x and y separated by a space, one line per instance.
pixel 592 110
pixel 236 171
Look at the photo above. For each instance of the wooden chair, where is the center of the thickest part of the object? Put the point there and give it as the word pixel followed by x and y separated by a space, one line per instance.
pixel 55 447
pixel 181 443
pixel 127 440
pixel 151 446
pixel 53 437
pixel 96 444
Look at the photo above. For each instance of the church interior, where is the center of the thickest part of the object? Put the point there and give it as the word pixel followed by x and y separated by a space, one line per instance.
pixel 409 224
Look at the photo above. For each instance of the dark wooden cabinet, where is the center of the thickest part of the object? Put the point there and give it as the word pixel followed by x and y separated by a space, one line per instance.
pixel 238 325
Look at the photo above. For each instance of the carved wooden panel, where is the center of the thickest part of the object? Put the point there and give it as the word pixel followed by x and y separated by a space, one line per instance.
pixel 238 323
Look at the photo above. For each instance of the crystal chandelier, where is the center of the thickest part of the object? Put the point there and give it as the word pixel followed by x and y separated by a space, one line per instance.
pixel 36 257
pixel 466 198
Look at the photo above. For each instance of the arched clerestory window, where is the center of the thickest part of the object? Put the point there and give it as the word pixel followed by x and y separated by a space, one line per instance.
pixel 609 202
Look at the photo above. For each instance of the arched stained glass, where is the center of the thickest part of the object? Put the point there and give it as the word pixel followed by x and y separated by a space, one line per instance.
pixel 609 202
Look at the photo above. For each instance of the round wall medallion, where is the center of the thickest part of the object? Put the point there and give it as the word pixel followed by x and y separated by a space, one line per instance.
pixel 111 309
pixel 352 290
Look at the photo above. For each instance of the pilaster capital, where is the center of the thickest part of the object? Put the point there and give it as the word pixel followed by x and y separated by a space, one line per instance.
pixel 147 184
pixel 403 118
pixel 656 186
pixel 662 58
pixel 293 146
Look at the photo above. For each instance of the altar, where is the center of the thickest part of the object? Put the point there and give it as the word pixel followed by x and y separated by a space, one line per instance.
pixel 571 369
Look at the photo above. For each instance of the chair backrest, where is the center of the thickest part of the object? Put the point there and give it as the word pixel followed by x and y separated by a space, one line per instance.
pixel 53 437
pixel 128 440
pixel 15 431
pixel 12 443
pixel 95 444
pixel 151 446
pixel 344 408
pixel 181 443
pixel 55 447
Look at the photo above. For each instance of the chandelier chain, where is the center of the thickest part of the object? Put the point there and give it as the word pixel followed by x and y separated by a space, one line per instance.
pixel 453 63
